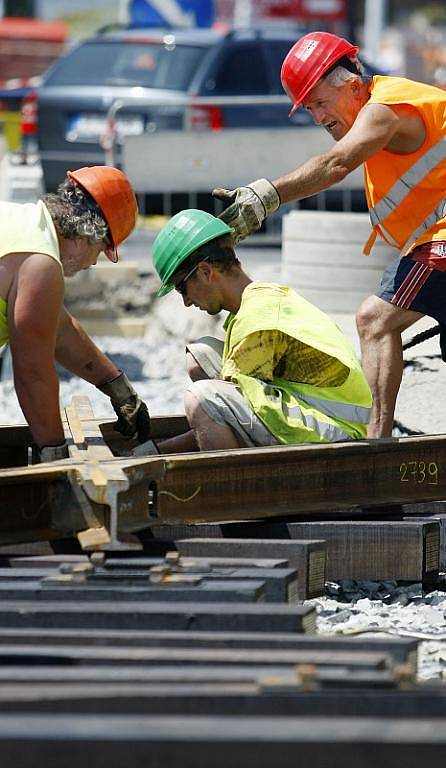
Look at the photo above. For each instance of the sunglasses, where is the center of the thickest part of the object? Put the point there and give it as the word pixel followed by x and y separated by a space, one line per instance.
pixel 181 286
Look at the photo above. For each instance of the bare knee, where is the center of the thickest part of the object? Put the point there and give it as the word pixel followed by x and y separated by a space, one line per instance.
pixel 367 317
pixel 194 370
pixel 376 319
pixel 210 435
pixel 192 409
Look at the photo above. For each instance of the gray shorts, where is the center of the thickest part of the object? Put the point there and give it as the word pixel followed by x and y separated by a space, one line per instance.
pixel 222 400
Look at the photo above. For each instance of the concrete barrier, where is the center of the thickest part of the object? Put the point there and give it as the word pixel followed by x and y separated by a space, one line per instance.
pixel 322 258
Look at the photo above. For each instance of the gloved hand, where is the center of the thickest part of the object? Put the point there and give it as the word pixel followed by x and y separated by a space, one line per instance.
pixel 49 453
pixel 132 412
pixel 249 206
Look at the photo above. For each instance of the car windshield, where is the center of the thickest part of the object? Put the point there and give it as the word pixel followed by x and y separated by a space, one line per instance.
pixel 149 65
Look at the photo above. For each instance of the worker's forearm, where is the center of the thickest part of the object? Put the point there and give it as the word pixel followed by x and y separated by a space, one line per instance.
pixel 37 389
pixel 316 174
pixel 80 355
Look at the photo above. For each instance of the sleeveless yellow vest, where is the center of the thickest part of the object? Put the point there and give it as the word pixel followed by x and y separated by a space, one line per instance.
pixel 25 228
pixel 292 411
pixel 406 194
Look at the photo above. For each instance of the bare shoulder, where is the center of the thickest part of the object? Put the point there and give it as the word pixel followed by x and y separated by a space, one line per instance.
pixel 381 115
pixel 37 266
pixel 40 265
pixel 36 292
pixel 371 132
pixel 402 123
pixel 381 127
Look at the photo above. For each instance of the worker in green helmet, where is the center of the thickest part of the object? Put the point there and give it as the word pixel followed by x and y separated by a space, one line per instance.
pixel 285 373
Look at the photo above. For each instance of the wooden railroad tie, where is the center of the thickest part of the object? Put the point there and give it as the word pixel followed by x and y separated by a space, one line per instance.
pixel 189 590
pixel 440 518
pixel 405 550
pixel 398 650
pixel 306 557
pixel 300 698
pixel 185 742
pixel 150 579
pixel 368 671
pixel 111 564
pixel 190 659
pixel 234 617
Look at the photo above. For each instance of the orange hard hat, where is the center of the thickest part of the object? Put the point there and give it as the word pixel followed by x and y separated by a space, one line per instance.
pixel 309 59
pixel 112 191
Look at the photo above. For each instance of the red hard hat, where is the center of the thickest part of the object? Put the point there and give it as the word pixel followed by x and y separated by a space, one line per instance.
pixel 309 59
pixel 112 191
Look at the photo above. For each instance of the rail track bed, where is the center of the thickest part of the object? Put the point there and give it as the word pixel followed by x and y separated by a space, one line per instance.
pixel 136 629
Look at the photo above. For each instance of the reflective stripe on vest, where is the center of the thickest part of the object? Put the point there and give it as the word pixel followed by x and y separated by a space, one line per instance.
pixel 345 411
pixel 326 431
pixel 438 213
pixel 405 184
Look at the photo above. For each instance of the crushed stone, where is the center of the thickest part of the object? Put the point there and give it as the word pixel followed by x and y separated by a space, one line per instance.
pixel 403 609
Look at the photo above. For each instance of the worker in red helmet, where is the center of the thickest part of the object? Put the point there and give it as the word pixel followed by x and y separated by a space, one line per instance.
pixel 93 211
pixel 397 129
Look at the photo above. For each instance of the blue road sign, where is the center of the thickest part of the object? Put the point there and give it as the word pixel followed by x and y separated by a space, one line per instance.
pixel 171 13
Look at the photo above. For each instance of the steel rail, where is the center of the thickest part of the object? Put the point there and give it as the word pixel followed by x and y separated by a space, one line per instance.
pixel 105 501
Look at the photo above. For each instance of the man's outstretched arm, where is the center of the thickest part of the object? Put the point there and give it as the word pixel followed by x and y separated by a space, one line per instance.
pixel 371 132
pixel 374 128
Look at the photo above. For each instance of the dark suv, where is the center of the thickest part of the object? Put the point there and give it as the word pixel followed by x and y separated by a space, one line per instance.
pixel 163 67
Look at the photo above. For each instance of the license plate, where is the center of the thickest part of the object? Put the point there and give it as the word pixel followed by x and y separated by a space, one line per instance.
pixel 90 127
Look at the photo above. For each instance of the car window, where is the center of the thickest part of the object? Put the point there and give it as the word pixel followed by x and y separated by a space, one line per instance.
pixel 242 71
pixel 126 63
pixel 275 52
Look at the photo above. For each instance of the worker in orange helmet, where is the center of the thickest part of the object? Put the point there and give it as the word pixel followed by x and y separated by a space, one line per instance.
pixel 93 210
pixel 397 129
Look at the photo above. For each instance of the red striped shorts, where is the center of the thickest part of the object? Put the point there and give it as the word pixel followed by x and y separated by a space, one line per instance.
pixel 418 281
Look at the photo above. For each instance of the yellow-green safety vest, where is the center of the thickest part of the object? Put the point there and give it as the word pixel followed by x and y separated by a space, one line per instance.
pixel 292 411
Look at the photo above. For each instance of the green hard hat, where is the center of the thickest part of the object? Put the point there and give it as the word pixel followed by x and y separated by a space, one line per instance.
pixel 181 236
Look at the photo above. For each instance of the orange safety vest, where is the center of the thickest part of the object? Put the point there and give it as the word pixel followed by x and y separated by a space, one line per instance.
pixel 406 194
